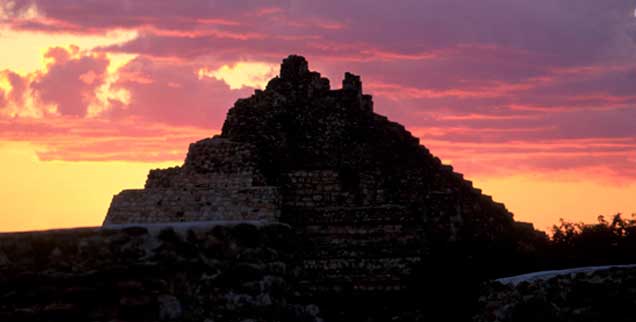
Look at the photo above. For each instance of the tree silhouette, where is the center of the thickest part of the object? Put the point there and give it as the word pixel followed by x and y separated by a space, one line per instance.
pixel 606 242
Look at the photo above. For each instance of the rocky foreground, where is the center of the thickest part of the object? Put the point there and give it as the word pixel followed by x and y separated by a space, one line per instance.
pixel 241 272
pixel 599 295
pixel 251 272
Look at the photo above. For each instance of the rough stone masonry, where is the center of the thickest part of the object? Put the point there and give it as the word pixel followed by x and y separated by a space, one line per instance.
pixel 366 197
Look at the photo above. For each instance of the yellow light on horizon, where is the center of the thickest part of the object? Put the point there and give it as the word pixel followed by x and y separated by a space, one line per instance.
pixel 59 194
pixel 543 201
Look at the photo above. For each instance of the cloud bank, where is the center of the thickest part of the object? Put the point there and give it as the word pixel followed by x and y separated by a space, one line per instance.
pixel 494 86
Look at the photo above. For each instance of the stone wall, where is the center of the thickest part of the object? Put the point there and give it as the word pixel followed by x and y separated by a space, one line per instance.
pixel 182 205
pixel 196 274
pixel 211 163
pixel 218 181
pixel 218 155
pixel 319 188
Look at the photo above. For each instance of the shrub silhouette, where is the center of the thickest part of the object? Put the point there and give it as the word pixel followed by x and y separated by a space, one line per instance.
pixel 606 242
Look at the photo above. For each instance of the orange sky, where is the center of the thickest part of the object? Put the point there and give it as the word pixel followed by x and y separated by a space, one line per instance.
pixel 57 194
pixel 92 97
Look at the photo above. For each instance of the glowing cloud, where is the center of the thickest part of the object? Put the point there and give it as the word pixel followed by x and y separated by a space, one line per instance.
pixel 27 48
pixel 107 94
pixel 5 84
pixel 242 74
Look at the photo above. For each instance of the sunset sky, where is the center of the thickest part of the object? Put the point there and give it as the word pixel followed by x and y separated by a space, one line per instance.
pixel 533 100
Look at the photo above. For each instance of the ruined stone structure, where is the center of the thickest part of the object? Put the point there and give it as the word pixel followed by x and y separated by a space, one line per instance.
pixel 299 147
pixel 219 181
pixel 368 201
pixel 323 161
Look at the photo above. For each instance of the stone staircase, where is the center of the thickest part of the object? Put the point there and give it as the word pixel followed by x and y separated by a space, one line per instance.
pixel 354 250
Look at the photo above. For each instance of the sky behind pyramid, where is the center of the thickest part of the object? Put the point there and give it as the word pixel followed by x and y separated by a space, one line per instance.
pixel 532 100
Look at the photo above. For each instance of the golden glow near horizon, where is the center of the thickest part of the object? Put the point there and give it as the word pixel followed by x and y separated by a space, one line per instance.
pixel 39 195
pixel 544 201
pixel 242 74
pixel 60 194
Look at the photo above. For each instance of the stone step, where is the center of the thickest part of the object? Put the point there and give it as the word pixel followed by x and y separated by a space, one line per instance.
pixel 352 284
pixel 351 231
pixel 324 267
pixel 345 215
pixel 388 230
pixel 360 253
pixel 338 246
pixel 178 205
pixel 354 242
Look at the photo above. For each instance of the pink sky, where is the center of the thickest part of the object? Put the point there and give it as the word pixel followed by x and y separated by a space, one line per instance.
pixel 541 89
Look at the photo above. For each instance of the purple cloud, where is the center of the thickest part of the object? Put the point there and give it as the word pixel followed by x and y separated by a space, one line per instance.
pixel 70 83
pixel 464 72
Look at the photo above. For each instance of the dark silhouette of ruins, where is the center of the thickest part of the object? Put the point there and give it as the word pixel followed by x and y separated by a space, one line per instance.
pixel 307 207
pixel 369 201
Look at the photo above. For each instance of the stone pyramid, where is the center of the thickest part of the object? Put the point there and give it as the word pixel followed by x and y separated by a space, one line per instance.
pixel 301 145
pixel 366 197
